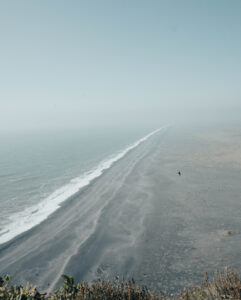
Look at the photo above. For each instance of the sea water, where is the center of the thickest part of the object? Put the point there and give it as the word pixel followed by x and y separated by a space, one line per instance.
pixel 39 171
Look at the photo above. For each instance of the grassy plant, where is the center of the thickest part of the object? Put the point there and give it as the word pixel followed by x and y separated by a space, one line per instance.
pixel 223 286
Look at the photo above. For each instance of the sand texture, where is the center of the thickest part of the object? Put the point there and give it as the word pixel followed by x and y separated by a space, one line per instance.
pixel 141 219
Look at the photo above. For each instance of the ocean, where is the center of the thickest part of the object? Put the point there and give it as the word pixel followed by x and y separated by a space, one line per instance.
pixel 100 204
pixel 40 171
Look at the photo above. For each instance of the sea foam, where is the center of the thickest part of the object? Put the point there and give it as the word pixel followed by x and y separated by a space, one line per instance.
pixel 34 215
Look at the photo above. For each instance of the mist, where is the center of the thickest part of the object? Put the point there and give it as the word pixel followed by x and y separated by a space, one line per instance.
pixel 118 63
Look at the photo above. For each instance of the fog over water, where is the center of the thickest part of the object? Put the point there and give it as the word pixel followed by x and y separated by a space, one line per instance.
pixel 82 64
pixel 94 182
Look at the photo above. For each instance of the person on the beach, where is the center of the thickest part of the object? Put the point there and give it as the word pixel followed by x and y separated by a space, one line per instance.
pixel 179 173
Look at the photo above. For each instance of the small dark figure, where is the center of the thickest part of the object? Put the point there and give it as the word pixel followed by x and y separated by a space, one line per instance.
pixel 179 173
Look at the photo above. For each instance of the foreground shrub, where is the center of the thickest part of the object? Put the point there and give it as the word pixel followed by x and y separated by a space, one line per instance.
pixel 227 286
pixel 223 286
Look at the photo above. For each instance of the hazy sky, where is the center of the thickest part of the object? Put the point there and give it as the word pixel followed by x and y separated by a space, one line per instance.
pixel 76 63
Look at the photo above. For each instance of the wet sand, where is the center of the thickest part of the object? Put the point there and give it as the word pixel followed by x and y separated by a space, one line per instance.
pixel 140 219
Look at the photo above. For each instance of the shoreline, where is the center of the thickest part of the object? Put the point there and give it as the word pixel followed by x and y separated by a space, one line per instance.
pixel 41 211
pixel 141 220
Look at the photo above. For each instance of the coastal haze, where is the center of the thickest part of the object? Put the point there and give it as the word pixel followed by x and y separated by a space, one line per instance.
pixel 102 104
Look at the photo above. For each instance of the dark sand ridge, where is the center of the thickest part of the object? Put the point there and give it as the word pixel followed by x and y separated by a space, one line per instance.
pixel 141 219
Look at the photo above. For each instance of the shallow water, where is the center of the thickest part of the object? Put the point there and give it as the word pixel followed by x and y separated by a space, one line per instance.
pixel 39 171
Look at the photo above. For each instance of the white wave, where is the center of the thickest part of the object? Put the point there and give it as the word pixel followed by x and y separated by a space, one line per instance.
pixel 34 215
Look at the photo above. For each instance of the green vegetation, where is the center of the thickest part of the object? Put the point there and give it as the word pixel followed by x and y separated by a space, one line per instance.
pixel 223 286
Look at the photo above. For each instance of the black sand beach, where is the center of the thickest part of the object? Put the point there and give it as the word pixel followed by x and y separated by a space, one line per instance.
pixel 140 219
